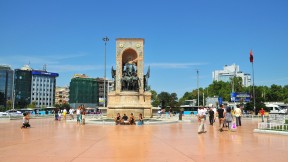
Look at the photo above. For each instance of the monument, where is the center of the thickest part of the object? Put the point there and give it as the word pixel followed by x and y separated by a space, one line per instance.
pixel 131 93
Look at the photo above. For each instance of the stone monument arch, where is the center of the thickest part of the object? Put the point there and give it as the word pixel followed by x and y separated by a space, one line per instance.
pixel 130 95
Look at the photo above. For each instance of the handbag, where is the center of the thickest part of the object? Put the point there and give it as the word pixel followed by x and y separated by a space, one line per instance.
pixel 234 127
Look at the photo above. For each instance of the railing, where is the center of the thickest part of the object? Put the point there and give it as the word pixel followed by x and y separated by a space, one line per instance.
pixel 273 126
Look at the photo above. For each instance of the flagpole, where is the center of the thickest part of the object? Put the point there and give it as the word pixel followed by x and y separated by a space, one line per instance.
pixel 254 97
pixel 252 62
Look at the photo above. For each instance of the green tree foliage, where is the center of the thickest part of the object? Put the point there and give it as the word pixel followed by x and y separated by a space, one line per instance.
pixel 9 104
pixel 236 84
pixel 154 99
pixel 63 106
pixel 174 100
pixel 186 96
pixel 275 93
pixel 32 105
pixel 220 89
pixel 285 94
pixel 166 99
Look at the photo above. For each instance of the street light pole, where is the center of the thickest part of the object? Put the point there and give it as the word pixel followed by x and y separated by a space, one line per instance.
pixel 13 90
pixel 198 85
pixel 105 39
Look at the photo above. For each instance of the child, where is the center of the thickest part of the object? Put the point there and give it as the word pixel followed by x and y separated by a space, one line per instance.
pixel 25 121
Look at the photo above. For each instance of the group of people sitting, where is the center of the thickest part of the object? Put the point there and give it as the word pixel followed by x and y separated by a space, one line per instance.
pixel 125 121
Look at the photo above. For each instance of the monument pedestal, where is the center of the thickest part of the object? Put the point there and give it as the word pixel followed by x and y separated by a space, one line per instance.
pixel 127 102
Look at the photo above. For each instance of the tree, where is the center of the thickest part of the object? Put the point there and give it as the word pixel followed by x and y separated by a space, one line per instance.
pixel 285 94
pixel 174 100
pixel 32 105
pixel 221 89
pixel 164 98
pixel 236 84
pixel 65 106
pixel 154 99
pixel 275 93
pixel 186 96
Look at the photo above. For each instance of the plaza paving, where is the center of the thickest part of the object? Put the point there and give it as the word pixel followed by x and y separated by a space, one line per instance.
pixel 54 141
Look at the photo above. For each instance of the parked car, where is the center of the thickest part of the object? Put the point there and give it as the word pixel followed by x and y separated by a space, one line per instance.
pixel 11 113
pixel 275 109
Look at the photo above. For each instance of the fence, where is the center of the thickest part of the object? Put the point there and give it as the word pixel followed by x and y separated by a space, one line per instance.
pixel 273 126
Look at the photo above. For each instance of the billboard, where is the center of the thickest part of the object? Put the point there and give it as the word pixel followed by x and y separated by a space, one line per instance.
pixel 44 73
pixel 239 96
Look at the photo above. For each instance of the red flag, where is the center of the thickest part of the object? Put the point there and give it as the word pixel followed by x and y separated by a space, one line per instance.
pixel 251 57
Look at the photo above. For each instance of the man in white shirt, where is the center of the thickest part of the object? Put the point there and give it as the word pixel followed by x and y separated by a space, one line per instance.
pixel 71 112
pixel 201 118
pixel 238 113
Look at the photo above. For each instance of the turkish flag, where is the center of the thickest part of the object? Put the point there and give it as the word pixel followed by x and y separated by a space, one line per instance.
pixel 251 57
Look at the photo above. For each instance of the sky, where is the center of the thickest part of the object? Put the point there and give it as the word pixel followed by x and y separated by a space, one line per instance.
pixel 180 37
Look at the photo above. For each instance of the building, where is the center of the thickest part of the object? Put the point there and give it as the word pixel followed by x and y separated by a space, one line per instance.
pixel 6 85
pixel 23 79
pixel 230 72
pixel 80 76
pixel 43 88
pixel 83 91
pixel 109 88
pixel 62 95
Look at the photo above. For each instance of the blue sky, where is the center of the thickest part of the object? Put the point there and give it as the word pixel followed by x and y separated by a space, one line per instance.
pixel 180 37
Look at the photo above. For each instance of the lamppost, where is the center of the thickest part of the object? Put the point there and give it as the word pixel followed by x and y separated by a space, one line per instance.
pixel 13 90
pixel 105 39
pixel 198 85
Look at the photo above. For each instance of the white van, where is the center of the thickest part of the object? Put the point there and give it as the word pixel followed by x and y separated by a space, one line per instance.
pixel 275 109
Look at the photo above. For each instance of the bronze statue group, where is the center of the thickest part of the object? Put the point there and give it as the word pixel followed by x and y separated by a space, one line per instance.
pixel 130 80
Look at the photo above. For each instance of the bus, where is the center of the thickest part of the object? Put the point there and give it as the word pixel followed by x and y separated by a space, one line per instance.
pixel 189 110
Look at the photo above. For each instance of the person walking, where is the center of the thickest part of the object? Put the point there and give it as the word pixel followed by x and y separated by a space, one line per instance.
pixel 211 116
pixel 83 115
pixel 238 114
pixel 64 114
pixel 262 113
pixel 201 120
pixel 78 115
pixel 71 111
pixel 228 118
pixel 221 114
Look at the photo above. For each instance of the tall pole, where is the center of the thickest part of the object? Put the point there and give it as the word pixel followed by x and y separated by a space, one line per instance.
pixel 13 90
pixel 198 86
pixel 203 99
pixel 105 39
pixel 254 97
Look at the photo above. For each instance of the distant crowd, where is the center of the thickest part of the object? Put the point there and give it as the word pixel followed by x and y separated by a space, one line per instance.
pixel 228 117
